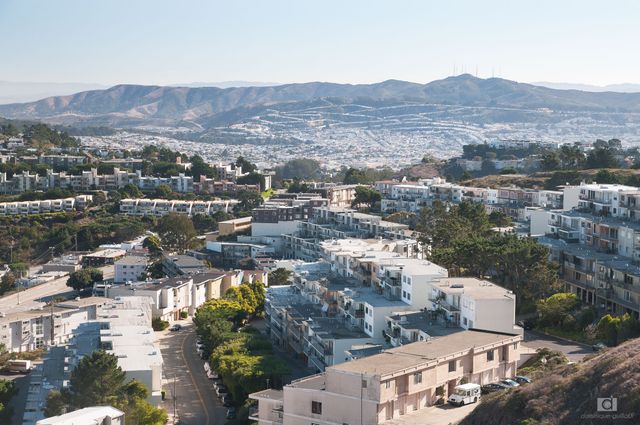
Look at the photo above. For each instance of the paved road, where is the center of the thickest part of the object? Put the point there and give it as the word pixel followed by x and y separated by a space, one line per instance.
pixel 38 295
pixel 196 400
pixel 575 351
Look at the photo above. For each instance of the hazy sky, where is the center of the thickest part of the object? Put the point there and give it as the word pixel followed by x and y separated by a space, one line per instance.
pixel 180 41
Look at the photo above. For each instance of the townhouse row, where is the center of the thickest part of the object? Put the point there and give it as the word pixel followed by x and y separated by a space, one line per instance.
pixel 91 180
pixel 182 294
pixel 160 207
pixel 45 206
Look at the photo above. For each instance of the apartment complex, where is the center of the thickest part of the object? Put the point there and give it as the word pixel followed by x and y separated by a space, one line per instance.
pixel 130 268
pixel 597 245
pixel 54 325
pixel 160 207
pixel 122 327
pixel 353 294
pixel 337 223
pixel 77 203
pixel 514 202
pixel 396 382
pixel 91 180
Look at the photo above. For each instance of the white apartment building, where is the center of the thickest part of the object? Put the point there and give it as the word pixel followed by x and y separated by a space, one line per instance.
pixel 130 268
pixel 34 329
pixel 386 386
pixel 77 203
pixel 160 207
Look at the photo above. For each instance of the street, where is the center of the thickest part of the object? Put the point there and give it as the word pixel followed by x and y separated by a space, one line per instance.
pixel 196 401
pixel 574 351
pixel 37 296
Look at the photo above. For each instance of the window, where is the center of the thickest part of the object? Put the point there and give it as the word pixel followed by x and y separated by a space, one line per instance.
pixel 39 342
pixel 490 355
pixel 452 366
pixel 464 321
pixel 387 384
pixel 404 294
pixel 417 378
pixel 409 296
pixel 364 383
pixel 316 407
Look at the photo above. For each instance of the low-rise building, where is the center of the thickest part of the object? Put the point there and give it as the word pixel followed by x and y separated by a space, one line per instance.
pixel 98 415
pixel 161 207
pixel 130 268
pixel 391 384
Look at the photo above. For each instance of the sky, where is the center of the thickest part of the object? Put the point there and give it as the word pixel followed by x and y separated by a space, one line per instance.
pixel 349 41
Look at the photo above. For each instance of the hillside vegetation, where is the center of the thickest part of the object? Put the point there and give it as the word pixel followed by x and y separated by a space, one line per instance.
pixel 567 394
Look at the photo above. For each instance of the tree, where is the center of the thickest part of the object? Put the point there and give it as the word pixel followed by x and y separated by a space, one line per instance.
pixel 176 231
pixel 7 282
pixel 96 380
pixel 279 276
pixel 200 168
pixel 300 169
pixel 131 191
pixel 247 167
pixel 249 200
pixel 152 243
pixel 7 391
pixel 84 279
pixel 366 196
pixel 164 192
pixel 356 176
pixel 554 310
pixel 55 404
pixel 602 157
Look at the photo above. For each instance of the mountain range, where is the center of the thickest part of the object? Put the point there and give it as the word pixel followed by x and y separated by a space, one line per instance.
pixel 131 105
pixel 359 122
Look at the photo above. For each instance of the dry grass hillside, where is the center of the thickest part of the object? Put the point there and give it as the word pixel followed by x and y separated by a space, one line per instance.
pixel 568 394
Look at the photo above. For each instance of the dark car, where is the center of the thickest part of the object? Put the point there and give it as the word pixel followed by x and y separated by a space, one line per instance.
pixel 175 328
pixel 221 390
pixel 509 383
pixel 227 400
pixel 527 325
pixel 522 379
pixel 492 388
pixel 231 413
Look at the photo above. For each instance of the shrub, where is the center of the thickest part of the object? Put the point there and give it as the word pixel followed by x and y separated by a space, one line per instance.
pixel 159 325
pixel 184 314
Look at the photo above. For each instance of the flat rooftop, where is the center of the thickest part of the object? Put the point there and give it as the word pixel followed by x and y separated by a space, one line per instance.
pixel 132 260
pixel 473 287
pixel 422 321
pixel 397 359
pixel 334 328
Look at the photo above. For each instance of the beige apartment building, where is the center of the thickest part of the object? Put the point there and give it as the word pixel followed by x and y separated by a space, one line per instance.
pixel 386 386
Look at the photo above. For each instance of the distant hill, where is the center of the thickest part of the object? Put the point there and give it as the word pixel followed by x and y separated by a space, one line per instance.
pixel 157 105
pixel 620 88
pixel 569 394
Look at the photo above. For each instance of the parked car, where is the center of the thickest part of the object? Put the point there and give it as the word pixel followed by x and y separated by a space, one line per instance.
pixel 510 383
pixel 527 325
pixel 216 382
pixel 221 390
pixel 227 400
pixel 212 374
pixel 175 328
pixel 599 346
pixel 19 366
pixel 492 388
pixel 522 379
pixel 465 394
pixel 231 413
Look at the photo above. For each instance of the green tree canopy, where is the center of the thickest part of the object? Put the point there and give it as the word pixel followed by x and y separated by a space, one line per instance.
pixel 279 276
pixel 84 278
pixel 176 231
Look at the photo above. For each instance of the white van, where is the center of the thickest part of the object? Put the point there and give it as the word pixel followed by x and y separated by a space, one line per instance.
pixel 465 394
pixel 19 366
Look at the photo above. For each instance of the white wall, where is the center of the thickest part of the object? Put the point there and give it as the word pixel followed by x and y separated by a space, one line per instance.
pixel 274 229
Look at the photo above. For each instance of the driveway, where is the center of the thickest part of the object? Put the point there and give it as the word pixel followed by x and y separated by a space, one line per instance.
pixel 185 381
pixel 434 415
pixel 574 351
